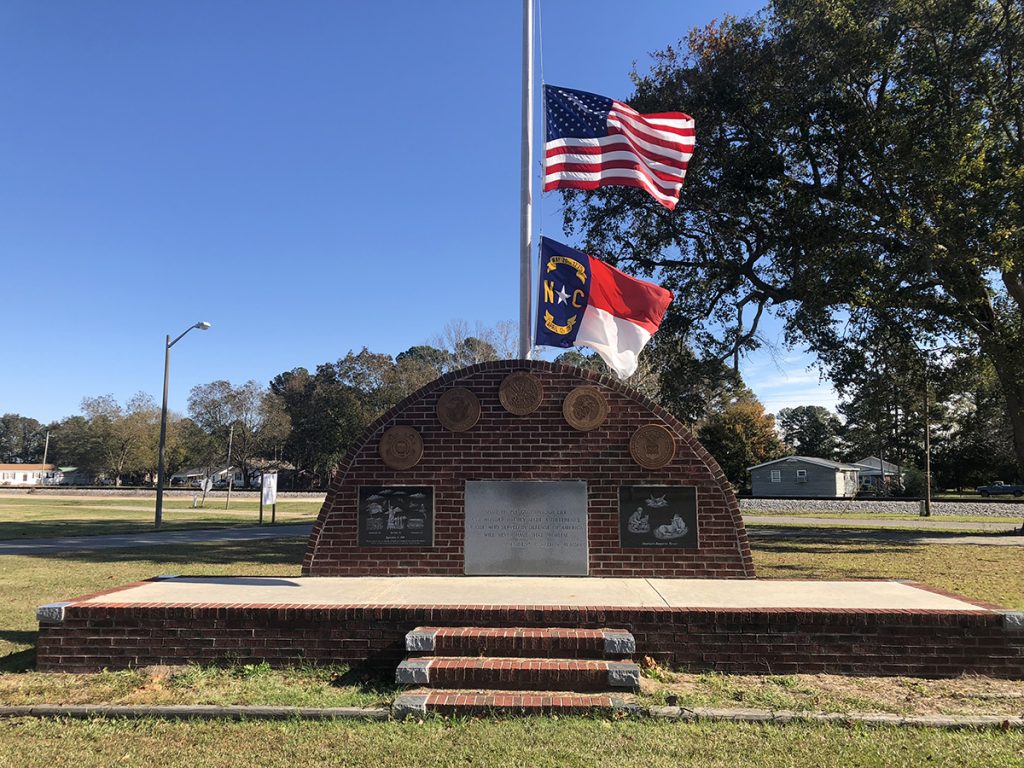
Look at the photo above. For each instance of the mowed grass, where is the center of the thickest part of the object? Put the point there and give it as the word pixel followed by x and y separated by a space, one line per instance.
pixel 53 516
pixel 527 742
pixel 992 574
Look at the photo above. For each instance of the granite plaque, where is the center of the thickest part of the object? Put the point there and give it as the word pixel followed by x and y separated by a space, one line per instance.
pixel 521 528
pixel 654 516
pixel 396 516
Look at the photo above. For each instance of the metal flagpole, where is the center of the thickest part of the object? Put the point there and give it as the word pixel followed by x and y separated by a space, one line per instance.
pixel 525 193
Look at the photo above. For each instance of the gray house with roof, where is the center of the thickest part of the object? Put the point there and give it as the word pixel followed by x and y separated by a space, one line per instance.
pixel 804 476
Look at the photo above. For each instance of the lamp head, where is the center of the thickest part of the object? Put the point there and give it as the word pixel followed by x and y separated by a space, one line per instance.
pixel 203 326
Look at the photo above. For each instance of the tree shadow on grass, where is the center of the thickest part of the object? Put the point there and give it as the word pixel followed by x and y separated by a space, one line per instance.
pixel 373 681
pixel 19 661
pixel 18 531
pixel 888 536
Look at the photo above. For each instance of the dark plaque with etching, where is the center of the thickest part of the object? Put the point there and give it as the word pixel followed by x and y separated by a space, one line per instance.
pixel 396 516
pixel 653 516
pixel 585 408
pixel 652 446
pixel 401 447
pixel 521 393
pixel 458 409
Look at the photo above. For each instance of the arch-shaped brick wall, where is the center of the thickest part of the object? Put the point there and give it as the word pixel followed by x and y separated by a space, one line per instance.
pixel 539 446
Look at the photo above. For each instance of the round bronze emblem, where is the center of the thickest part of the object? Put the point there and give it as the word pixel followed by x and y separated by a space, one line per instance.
pixel 585 408
pixel 521 393
pixel 401 447
pixel 458 409
pixel 652 446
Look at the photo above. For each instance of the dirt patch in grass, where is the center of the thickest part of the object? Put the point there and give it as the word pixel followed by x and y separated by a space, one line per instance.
pixel 967 695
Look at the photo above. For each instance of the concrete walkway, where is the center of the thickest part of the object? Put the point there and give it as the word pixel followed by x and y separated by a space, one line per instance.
pixel 534 591
pixel 153 539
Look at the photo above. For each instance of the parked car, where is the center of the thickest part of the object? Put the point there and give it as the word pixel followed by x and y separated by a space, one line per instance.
pixel 999 488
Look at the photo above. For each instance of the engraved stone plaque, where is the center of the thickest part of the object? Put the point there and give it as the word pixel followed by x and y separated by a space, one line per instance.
pixel 521 528
pixel 458 409
pixel 521 393
pixel 585 408
pixel 658 516
pixel 401 447
pixel 652 446
pixel 396 516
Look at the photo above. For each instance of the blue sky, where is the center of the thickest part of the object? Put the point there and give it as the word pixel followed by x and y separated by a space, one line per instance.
pixel 309 177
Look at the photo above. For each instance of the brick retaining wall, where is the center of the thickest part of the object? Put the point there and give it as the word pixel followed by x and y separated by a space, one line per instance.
pixel 771 641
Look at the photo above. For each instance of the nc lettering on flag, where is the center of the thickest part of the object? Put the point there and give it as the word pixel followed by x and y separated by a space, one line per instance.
pixel 585 302
pixel 594 141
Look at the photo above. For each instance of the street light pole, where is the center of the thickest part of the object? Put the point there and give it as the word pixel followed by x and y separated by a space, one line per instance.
pixel 927 511
pixel 203 326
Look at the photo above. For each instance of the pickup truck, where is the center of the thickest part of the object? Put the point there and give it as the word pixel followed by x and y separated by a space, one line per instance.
pixel 999 488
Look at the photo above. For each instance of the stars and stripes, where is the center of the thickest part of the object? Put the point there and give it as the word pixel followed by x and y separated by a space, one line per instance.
pixel 594 141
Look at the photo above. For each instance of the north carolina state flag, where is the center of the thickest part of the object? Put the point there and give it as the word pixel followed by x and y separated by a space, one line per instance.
pixel 588 303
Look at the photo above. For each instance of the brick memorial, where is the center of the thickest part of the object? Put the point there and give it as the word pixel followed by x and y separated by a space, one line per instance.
pixel 533 524
pixel 485 436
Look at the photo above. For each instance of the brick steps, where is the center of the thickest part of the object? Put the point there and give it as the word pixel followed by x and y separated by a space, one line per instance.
pixel 557 642
pixel 518 674
pixel 516 670
pixel 460 702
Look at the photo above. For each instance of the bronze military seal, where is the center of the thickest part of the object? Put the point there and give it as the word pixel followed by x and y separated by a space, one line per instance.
pixel 521 393
pixel 458 409
pixel 401 447
pixel 652 446
pixel 585 408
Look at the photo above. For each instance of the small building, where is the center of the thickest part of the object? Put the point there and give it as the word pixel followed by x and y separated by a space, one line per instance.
pixel 804 476
pixel 193 477
pixel 27 474
pixel 878 474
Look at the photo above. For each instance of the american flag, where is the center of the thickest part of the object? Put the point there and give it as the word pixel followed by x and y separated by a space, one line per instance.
pixel 594 141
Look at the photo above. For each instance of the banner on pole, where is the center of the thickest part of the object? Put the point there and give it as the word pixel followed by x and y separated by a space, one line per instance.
pixel 269 488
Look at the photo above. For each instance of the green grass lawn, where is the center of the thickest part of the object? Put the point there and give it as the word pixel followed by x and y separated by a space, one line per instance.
pixel 526 742
pixel 50 516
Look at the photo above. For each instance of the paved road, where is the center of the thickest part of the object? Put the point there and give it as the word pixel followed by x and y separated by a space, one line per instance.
pixel 154 539
pixel 922 531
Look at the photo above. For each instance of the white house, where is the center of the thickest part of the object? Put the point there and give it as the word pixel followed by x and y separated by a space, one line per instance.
pixel 27 474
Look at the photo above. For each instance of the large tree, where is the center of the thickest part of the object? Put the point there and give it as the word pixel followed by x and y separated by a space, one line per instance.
pixel 125 437
pixel 248 417
pixel 741 435
pixel 811 430
pixel 858 166
pixel 21 439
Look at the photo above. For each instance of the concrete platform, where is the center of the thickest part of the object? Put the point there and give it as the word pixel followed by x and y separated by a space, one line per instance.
pixel 489 591
pixel 741 626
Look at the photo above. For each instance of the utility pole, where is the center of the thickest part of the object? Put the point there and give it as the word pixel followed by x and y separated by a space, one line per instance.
pixel 46 447
pixel 231 474
pixel 927 511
